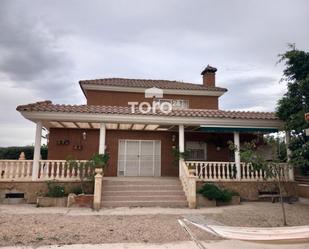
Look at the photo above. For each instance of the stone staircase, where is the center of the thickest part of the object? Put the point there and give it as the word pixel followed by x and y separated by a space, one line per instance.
pixel 143 192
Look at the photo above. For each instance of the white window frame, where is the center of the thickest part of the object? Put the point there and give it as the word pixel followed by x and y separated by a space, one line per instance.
pixel 203 146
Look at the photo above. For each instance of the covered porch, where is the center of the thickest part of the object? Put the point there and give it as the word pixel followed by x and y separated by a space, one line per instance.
pixel 198 139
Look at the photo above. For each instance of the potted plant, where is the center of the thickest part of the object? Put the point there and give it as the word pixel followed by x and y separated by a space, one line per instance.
pixel 99 162
pixel 96 164
pixel 55 197
pixel 179 155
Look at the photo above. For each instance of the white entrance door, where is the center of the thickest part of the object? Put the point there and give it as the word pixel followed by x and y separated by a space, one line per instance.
pixel 139 158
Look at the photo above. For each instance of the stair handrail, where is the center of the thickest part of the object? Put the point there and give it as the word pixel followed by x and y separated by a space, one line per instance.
pixel 188 181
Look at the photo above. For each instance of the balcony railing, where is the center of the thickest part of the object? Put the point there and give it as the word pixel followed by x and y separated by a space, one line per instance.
pixel 227 171
pixel 21 170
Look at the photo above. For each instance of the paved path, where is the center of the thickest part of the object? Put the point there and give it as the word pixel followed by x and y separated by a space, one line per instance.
pixel 224 244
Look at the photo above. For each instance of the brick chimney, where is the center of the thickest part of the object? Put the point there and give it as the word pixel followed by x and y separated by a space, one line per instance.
pixel 209 76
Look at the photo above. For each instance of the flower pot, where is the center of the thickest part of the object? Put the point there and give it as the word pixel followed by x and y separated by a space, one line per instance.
pixel 81 200
pixel 98 171
pixel 204 202
pixel 52 201
pixel 235 200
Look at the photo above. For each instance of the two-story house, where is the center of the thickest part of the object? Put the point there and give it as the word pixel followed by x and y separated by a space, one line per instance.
pixel 141 129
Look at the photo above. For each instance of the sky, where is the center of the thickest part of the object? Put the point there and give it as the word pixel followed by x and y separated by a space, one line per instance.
pixel 47 46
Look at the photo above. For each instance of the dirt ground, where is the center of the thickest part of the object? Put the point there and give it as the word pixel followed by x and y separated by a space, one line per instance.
pixel 61 228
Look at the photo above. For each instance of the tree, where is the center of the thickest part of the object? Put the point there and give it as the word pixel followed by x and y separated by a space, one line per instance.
pixel 272 169
pixel 292 107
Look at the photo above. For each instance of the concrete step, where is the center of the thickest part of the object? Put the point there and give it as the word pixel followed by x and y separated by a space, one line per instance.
pixel 140 187
pixel 143 193
pixel 178 204
pixel 139 183
pixel 144 198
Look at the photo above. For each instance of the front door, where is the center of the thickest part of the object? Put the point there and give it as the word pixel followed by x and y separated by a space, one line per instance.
pixel 139 158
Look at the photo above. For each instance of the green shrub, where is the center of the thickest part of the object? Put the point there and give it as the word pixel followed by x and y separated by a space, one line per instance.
pixel 55 190
pixel 212 192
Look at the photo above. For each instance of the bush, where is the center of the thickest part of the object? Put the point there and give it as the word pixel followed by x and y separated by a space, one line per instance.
pixel 212 192
pixel 55 190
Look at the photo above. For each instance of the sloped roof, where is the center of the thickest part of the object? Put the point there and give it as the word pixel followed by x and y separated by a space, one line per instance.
pixel 48 106
pixel 148 83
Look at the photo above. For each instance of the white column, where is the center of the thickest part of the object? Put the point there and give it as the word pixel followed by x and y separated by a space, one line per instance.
pixel 237 154
pixel 288 155
pixel 181 141
pixel 37 151
pixel 102 138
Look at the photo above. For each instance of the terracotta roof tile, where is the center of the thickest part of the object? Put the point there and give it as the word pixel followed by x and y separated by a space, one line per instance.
pixel 48 106
pixel 147 83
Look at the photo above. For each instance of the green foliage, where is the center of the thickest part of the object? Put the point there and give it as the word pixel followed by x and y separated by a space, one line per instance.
pixel 99 160
pixel 299 147
pixel 55 190
pixel 14 152
pixel 295 103
pixel 212 192
pixel 179 155
pixel 77 190
pixel 96 161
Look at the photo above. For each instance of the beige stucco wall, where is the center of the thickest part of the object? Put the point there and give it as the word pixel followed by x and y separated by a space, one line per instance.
pixel 250 190
pixel 34 189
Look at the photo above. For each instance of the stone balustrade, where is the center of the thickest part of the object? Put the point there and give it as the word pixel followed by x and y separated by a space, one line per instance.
pixel 21 170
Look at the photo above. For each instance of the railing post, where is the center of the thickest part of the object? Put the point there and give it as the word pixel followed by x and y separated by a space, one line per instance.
pixel 237 154
pixel 181 141
pixel 37 151
pixel 97 189
pixel 288 155
pixel 192 191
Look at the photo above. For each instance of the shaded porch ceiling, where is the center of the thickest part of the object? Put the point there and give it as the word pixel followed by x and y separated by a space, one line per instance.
pixel 152 127
pixel 116 126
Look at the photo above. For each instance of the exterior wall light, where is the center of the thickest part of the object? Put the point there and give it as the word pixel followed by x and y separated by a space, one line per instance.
pixel 173 138
pixel 84 135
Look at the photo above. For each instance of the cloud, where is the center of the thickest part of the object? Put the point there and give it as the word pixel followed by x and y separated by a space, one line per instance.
pixel 46 47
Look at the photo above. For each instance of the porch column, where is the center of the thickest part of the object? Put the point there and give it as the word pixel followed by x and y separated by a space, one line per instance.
pixel 288 155
pixel 37 151
pixel 181 143
pixel 102 138
pixel 237 154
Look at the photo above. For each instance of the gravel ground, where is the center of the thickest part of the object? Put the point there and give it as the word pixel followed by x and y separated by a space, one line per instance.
pixel 37 228
pixel 45 229
pixel 262 214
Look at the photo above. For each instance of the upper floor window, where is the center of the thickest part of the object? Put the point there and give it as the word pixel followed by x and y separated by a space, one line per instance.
pixel 176 103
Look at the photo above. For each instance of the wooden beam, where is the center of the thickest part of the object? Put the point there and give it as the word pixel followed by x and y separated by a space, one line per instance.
pixel 64 126
pixel 76 125
pixel 90 125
